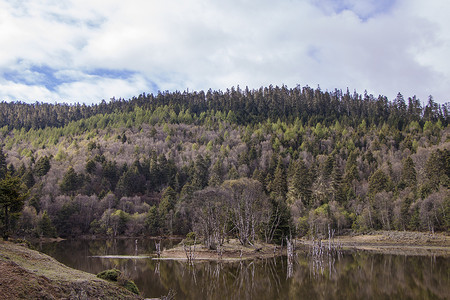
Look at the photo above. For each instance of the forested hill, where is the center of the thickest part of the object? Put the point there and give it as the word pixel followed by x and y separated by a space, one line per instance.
pixel 302 160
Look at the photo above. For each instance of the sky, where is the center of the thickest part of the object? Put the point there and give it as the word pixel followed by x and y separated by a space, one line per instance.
pixel 88 50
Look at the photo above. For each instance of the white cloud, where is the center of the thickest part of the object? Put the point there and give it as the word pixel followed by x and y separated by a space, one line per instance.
pixel 383 46
pixel 91 89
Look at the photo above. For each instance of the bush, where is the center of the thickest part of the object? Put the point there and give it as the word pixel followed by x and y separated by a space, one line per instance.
pixel 131 286
pixel 116 275
pixel 111 275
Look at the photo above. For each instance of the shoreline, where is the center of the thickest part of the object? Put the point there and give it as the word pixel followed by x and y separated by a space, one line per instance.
pixel 383 242
pixel 232 251
pixel 395 242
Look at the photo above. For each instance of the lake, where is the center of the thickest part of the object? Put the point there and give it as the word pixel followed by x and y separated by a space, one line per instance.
pixel 330 275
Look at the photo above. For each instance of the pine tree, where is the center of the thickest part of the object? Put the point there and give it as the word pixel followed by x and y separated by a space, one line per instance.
pixel 21 171
pixel 337 186
pixel 233 173
pixel 132 182
pixel 3 166
pixel 258 175
pixel 437 169
pixel 216 176
pixel 409 175
pixel 278 186
pixel 70 182
pixel 200 173
pixel 168 201
pixel 45 226
pixel 12 197
pixel 300 184
pixel 42 166
pixel 153 221
pixel 328 166
pixel 111 173
pixel 378 182
pixel 11 170
pixel 28 178
pixel 282 213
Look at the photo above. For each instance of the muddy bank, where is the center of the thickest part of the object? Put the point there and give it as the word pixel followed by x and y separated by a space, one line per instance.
pixel 29 274
pixel 386 242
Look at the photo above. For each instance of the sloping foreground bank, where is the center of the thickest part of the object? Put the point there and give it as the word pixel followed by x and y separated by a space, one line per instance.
pixel 29 274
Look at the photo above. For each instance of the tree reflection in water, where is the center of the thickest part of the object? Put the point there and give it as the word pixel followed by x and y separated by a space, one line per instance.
pixel 312 274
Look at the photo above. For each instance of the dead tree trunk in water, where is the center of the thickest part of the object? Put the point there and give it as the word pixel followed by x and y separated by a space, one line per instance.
pixel 158 248
pixel 190 251
pixel 290 257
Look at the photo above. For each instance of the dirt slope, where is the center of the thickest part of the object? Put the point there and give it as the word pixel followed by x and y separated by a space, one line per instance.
pixel 29 274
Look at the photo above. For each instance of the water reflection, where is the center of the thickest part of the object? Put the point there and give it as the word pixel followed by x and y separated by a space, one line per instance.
pixel 331 275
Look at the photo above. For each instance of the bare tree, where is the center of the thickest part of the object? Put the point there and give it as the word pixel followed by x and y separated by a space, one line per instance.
pixel 210 215
pixel 383 204
pixel 432 208
pixel 247 203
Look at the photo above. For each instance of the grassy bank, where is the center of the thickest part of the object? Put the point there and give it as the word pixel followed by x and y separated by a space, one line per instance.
pixel 29 274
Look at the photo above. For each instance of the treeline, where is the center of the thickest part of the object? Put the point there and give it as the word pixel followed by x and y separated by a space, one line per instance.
pixel 246 107
pixel 259 164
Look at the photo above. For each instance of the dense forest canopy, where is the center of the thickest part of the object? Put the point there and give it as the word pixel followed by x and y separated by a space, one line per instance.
pixel 249 107
pixel 288 161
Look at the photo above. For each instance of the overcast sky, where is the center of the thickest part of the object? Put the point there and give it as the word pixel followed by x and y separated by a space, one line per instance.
pixel 89 50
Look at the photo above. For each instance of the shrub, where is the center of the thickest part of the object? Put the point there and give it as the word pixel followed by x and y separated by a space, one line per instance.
pixel 117 276
pixel 111 275
pixel 131 286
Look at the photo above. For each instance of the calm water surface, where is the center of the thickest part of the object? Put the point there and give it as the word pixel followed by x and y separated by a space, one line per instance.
pixel 344 275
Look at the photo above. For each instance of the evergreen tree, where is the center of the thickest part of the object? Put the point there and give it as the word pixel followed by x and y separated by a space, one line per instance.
pixel 3 167
pixel 328 166
pixel 438 169
pixel 111 173
pixel 278 186
pixel 281 211
pixel 233 173
pixel 42 166
pixel 200 175
pixel 45 226
pixel 409 175
pixel 258 175
pixel 90 166
pixel 12 197
pixel 216 176
pixel 28 179
pixel 21 171
pixel 11 170
pixel 70 182
pixel 300 185
pixel 132 182
pixel 337 186
pixel 168 201
pixel 378 182
pixel 152 221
